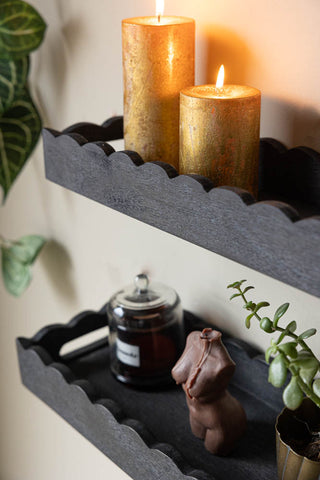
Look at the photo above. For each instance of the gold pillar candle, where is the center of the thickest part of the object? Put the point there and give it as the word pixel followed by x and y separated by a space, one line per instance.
pixel 219 134
pixel 158 62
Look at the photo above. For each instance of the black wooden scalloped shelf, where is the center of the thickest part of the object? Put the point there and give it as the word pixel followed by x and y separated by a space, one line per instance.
pixel 269 236
pixel 147 434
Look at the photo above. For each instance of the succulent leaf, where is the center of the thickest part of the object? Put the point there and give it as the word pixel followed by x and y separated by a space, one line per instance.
pixel 278 371
pixel 279 313
pixel 293 395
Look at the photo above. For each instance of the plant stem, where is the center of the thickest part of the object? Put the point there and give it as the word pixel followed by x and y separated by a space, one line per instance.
pixel 281 330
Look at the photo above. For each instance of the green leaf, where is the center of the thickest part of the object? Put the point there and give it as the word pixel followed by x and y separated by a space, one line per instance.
pixel 307 375
pixel 27 248
pixel 13 77
pixel 235 295
pixel 277 371
pixel 20 127
pixel 306 361
pixel 266 325
pixel 292 327
pixel 292 395
pixel 247 321
pixel 279 313
pixel 270 351
pixel 261 305
pixel 21 29
pixel 290 349
pixel 249 306
pixel 281 337
pixel 236 284
pixel 247 289
pixel 307 334
pixel 16 262
pixel 16 275
pixel 316 386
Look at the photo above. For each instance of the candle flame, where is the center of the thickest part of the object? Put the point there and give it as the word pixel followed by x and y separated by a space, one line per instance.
pixel 159 8
pixel 220 77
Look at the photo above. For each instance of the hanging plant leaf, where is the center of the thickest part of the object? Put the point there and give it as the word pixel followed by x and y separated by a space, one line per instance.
pixel 20 127
pixel 27 248
pixel 21 29
pixel 17 260
pixel 16 275
pixel 13 77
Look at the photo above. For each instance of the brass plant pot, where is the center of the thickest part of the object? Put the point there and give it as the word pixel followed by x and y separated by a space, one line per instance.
pixel 292 465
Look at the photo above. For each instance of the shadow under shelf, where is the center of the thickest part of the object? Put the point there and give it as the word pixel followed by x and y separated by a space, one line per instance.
pixel 278 235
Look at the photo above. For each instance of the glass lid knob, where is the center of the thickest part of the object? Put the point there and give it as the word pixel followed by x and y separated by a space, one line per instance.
pixel 142 282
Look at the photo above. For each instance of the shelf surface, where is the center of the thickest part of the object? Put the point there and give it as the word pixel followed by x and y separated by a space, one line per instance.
pixel 147 433
pixel 279 239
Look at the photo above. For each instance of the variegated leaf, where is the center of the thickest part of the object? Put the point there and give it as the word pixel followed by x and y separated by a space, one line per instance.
pixel 21 29
pixel 13 77
pixel 16 275
pixel 20 127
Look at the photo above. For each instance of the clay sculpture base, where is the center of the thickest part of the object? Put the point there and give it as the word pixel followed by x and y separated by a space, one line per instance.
pixel 205 370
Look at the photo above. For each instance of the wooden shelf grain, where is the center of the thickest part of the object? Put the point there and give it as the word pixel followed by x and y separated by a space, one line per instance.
pixel 279 235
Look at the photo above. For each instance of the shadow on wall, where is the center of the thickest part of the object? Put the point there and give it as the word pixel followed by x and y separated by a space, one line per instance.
pixel 61 43
pixel 58 266
pixel 300 126
pixel 226 47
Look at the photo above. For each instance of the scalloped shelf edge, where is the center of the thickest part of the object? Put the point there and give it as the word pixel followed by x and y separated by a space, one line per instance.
pixel 267 236
pixel 101 420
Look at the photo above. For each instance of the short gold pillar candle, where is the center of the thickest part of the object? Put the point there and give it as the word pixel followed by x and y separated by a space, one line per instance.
pixel 158 62
pixel 219 134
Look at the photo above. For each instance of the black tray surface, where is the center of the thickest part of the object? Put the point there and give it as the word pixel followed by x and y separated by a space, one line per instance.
pixel 158 418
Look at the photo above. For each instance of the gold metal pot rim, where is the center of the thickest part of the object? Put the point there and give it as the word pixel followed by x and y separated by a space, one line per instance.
pixel 306 459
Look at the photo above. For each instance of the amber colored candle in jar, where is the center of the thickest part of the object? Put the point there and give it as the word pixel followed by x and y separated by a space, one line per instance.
pixel 219 134
pixel 158 62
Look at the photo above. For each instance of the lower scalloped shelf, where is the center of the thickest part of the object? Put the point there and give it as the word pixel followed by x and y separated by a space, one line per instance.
pixel 147 434
pixel 268 236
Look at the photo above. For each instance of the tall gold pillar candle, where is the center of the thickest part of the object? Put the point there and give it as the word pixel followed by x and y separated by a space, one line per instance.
pixel 219 134
pixel 158 62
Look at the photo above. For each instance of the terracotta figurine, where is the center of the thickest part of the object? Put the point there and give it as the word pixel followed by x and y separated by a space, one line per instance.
pixel 204 370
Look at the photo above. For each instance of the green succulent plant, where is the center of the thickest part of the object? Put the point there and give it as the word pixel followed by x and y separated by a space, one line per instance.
pixel 288 353
pixel 21 31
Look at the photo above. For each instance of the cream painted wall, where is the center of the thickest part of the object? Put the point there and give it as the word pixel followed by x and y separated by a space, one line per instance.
pixel 93 250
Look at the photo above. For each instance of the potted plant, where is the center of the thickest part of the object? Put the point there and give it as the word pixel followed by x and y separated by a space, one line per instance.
pixel 293 365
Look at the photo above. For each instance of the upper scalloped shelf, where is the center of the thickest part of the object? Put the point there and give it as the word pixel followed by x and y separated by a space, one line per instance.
pixel 269 236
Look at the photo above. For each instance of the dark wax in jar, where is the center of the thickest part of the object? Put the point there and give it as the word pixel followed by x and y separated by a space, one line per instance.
pixel 145 344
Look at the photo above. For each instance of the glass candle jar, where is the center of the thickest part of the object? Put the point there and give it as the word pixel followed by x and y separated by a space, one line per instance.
pixel 146 333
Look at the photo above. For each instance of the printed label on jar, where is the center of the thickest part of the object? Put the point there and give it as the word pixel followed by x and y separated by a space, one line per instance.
pixel 128 354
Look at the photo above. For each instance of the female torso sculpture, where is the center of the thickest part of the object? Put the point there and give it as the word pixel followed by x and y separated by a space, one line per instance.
pixel 204 370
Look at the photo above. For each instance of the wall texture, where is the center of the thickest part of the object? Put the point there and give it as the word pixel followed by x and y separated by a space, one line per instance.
pixel 93 251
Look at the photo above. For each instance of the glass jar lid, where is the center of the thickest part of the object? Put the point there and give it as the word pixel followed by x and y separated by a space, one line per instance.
pixel 141 295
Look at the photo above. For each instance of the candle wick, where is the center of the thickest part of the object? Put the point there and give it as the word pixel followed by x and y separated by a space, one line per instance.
pixel 159 17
